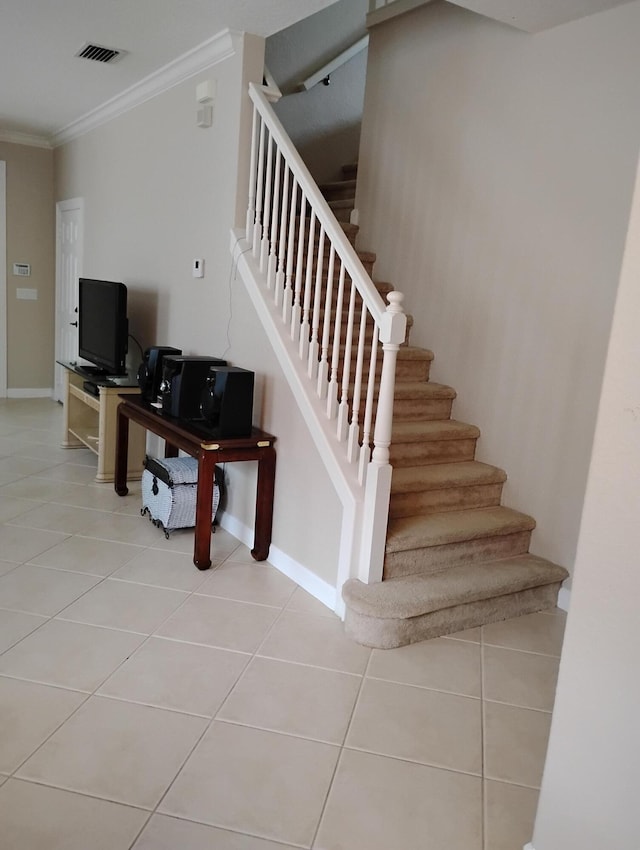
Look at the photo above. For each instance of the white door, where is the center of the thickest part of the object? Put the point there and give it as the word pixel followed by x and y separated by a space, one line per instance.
pixel 3 280
pixel 69 240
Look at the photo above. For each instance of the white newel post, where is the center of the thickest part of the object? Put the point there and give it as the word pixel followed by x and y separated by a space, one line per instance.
pixel 378 480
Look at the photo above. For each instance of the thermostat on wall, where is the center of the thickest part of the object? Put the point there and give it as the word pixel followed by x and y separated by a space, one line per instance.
pixel 22 269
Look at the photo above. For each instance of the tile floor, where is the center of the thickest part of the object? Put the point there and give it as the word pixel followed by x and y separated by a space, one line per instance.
pixel 146 705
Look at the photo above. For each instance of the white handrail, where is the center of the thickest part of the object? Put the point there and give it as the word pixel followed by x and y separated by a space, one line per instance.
pixel 319 205
pixel 335 63
pixel 310 274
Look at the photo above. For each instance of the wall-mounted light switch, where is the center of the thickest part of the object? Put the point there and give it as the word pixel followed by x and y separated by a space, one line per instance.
pixel 198 268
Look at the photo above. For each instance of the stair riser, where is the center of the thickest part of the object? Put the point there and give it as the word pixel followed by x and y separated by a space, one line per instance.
pixel 340 190
pixel 389 633
pixel 413 370
pixel 432 451
pixel 433 558
pixel 414 409
pixel 343 214
pixel 446 499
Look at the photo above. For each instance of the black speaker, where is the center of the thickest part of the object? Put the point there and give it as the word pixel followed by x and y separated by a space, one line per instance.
pixel 183 380
pixel 150 371
pixel 226 403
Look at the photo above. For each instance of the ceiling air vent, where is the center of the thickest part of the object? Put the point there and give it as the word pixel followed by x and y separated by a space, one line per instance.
pixel 99 53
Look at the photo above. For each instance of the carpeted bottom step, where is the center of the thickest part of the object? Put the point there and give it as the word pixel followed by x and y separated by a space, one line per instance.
pixel 414 608
pixel 433 542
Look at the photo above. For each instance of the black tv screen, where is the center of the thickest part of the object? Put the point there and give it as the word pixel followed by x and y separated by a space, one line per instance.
pixel 102 324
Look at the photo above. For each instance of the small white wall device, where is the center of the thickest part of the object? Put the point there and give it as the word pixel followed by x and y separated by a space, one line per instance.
pixel 205 95
pixel 198 268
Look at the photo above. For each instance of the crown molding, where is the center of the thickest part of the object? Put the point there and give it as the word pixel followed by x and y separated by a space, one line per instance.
pixel 222 46
pixel 15 137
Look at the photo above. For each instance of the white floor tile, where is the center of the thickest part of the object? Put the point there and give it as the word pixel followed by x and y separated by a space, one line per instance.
pixel 21 544
pixel 220 622
pixel 29 713
pixel 174 570
pixel 133 759
pixel 269 785
pixel 37 590
pixel 180 676
pixel 294 699
pixel 87 555
pixel 167 833
pixel 380 803
pixel 71 655
pixel 319 641
pixel 35 817
pixel 254 582
pixel 14 625
pixel 122 605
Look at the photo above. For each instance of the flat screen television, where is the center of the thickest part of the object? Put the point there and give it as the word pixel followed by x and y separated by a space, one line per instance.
pixel 102 325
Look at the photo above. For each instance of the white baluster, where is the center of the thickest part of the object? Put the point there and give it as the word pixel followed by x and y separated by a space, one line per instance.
pixel 365 448
pixel 273 230
pixel 282 259
pixel 257 230
pixel 332 390
pixel 296 311
pixel 266 215
pixel 310 351
pixel 323 368
pixel 287 296
pixel 354 427
pixel 251 206
pixel 306 301
pixel 343 408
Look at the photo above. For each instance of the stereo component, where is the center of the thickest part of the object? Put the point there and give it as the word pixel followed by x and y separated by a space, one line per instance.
pixel 183 380
pixel 150 371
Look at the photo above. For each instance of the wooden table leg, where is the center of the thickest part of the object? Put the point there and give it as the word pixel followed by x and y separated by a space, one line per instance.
pixel 264 503
pixel 122 454
pixel 204 500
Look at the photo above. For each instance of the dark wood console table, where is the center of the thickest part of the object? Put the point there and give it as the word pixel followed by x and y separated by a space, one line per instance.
pixel 208 452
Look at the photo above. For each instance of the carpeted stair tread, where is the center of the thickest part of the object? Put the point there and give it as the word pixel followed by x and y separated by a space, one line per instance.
pixel 437 529
pixel 423 389
pixel 436 429
pixel 411 596
pixel 342 204
pixel 412 352
pixel 415 479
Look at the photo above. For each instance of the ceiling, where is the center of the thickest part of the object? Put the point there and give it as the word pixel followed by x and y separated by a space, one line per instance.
pixel 45 86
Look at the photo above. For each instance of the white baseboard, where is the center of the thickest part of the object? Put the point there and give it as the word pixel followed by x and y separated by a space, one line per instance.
pixel 529 846
pixel 564 601
pixel 30 392
pixel 308 580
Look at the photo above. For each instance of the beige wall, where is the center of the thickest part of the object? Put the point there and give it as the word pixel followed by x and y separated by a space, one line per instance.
pixel 158 192
pixel 496 171
pixel 30 239
pixel 590 789
pixel 323 122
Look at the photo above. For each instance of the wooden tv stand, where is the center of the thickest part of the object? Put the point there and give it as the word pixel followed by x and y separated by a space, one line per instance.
pixel 90 421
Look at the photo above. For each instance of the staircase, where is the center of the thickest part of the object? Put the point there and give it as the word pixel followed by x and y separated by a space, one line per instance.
pixel 454 558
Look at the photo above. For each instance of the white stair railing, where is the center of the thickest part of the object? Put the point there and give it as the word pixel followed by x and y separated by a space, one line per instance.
pixel 343 334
